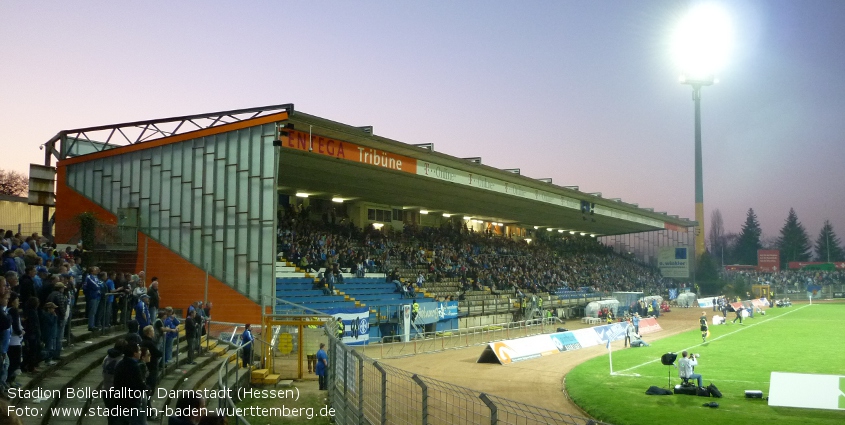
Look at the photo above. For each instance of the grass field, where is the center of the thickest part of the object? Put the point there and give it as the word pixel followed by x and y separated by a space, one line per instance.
pixel 800 339
pixel 311 402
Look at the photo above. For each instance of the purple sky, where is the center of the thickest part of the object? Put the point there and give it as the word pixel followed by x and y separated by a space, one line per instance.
pixel 583 92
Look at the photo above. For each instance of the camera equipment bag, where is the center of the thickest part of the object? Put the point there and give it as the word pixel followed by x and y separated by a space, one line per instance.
pixel 714 391
pixel 685 390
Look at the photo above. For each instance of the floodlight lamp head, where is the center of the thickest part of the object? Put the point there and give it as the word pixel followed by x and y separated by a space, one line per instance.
pixel 702 42
pixel 668 359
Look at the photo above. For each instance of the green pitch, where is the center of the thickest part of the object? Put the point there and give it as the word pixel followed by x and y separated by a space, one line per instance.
pixel 801 339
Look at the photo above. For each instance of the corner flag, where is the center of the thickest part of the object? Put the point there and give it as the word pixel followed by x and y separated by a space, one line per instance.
pixel 610 355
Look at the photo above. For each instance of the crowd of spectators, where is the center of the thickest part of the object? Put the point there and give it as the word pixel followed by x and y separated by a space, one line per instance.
pixel 39 289
pixel 316 245
pixel 789 281
pixel 546 264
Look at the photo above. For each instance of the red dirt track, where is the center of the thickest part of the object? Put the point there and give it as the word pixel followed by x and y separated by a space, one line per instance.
pixel 538 381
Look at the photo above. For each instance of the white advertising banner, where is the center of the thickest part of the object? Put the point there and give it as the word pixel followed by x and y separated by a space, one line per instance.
pixel 807 391
pixel 707 302
pixel 673 261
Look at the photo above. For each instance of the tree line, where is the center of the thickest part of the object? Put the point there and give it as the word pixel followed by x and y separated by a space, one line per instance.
pixel 793 242
pixel 13 183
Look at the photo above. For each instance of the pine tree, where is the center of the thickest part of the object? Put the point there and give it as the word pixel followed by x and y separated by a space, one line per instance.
pixel 794 244
pixel 748 241
pixel 828 246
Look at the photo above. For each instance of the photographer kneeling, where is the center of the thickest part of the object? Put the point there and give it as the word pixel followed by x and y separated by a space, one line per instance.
pixel 686 365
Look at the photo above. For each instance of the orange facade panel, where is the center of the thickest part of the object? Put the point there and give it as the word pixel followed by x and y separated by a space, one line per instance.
pixel 181 283
pixel 347 151
pixel 70 204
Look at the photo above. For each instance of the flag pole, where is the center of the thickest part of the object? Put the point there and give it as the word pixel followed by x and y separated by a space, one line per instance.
pixel 610 356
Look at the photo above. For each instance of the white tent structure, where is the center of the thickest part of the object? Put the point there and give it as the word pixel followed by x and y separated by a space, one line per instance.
pixel 687 299
pixel 593 308
pixel 648 299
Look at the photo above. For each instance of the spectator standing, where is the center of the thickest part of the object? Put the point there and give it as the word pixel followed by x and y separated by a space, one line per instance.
pixel 171 324
pixel 191 335
pixel 200 320
pixel 20 264
pixel 154 297
pixel 247 344
pixel 92 291
pixel 148 342
pixel 114 356
pixel 9 264
pixel 109 300
pixel 132 332
pixel 26 288
pixel 158 328
pixel 129 379
pixel 322 366
pixel 48 331
pixel 5 339
pixel 142 311
pixel 32 336
pixel 15 341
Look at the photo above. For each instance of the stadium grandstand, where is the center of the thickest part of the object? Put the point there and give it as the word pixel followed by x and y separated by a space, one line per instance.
pixel 312 231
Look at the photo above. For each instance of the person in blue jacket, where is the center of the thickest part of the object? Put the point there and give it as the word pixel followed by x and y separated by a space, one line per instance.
pixel 322 366
pixel 92 290
pixel 142 312
pixel 246 343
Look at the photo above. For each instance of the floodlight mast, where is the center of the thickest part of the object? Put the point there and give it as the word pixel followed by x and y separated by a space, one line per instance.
pixel 702 43
pixel 697 84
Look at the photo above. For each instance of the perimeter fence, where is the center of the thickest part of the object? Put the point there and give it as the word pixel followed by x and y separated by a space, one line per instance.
pixel 365 391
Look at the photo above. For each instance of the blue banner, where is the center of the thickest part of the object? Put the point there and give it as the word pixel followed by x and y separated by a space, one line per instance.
pixel 611 332
pixel 356 324
pixel 565 341
pixel 673 293
pixel 432 312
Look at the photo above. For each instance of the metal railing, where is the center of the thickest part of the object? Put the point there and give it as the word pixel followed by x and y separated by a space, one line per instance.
pixel 364 391
pixel 229 379
pixel 430 342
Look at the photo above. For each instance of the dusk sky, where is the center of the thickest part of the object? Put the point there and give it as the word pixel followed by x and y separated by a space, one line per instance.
pixel 584 92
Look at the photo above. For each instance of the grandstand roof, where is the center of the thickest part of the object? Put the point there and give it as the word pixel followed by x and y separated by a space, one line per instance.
pixel 310 162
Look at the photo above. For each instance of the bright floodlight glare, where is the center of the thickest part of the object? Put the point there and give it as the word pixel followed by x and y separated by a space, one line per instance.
pixel 301 195
pixel 702 42
pixel 337 200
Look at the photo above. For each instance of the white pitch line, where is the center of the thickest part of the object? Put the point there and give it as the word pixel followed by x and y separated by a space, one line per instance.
pixel 719 337
pixel 637 375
